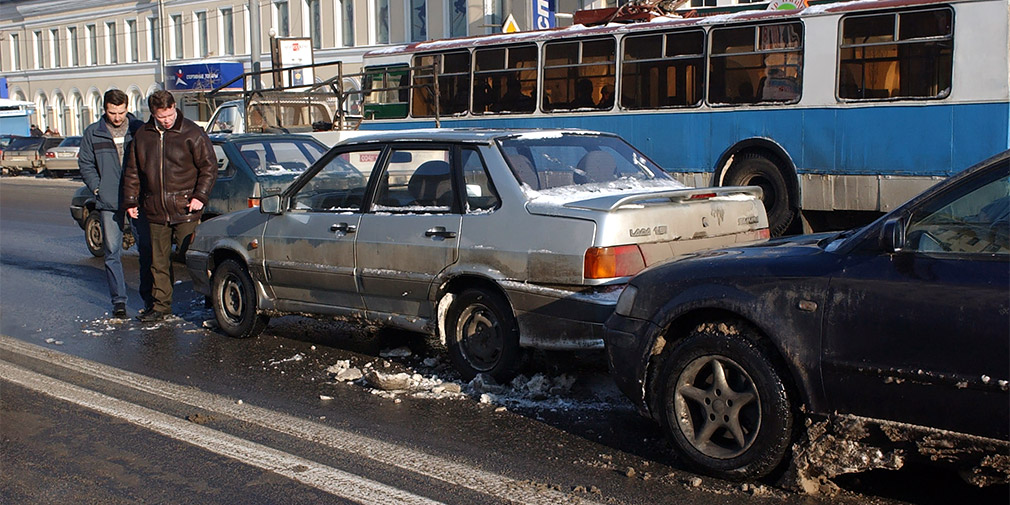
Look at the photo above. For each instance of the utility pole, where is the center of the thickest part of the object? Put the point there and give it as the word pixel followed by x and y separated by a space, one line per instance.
pixel 255 48
pixel 161 43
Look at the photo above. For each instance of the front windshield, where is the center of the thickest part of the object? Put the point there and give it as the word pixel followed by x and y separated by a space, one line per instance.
pixel 544 161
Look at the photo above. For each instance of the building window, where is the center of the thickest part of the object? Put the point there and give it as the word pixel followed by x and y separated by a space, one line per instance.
pixel 347 23
pixel 132 41
pixel 314 22
pixel 418 20
pixel 202 49
pixel 281 19
pixel 55 52
pixel 73 58
pixel 177 36
pixel 111 46
pixel 382 21
pixel 493 15
pixel 92 44
pixel 40 61
pixel 457 19
pixel 16 51
pixel 153 38
pixel 228 31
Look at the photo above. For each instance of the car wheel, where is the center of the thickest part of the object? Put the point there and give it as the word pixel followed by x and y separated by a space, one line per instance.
pixel 234 299
pixel 756 170
pixel 482 335
pixel 724 405
pixel 93 234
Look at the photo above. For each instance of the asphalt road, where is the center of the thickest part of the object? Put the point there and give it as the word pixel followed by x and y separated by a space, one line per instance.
pixel 95 410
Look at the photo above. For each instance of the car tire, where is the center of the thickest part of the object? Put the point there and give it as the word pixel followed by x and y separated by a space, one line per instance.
pixel 750 169
pixel 233 296
pixel 93 234
pixel 724 404
pixel 482 335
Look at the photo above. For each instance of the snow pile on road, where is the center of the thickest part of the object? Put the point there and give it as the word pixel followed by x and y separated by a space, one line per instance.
pixel 425 380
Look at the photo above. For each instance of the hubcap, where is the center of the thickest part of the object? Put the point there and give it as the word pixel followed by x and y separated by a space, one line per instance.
pixel 716 406
pixel 95 234
pixel 479 335
pixel 232 303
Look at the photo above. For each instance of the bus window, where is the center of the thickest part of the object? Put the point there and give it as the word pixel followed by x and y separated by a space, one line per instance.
pixel 577 75
pixel 896 55
pixel 505 79
pixel 756 64
pixel 389 98
pixel 663 70
pixel 453 84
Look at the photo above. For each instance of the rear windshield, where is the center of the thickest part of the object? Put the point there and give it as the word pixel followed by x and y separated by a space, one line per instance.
pixel 272 156
pixel 553 160
pixel 25 143
pixel 71 142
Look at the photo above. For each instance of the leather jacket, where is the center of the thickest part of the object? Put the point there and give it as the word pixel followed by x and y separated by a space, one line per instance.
pixel 165 169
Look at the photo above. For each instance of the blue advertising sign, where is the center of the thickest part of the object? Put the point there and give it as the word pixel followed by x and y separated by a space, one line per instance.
pixel 543 14
pixel 202 76
pixel 3 87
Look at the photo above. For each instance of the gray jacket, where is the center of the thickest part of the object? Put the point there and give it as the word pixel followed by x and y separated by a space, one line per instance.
pixel 100 163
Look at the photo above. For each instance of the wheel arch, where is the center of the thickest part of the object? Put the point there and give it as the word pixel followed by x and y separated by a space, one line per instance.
pixel 768 148
pixel 456 284
pixel 804 387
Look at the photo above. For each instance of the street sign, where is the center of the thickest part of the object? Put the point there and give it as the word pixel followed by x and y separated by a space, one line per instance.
pixel 543 14
pixel 510 25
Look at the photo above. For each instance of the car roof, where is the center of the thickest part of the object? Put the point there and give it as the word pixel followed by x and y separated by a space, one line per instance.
pixel 483 135
pixel 238 137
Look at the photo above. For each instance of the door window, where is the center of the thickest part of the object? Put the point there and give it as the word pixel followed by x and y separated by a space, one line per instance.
pixel 480 193
pixel 339 186
pixel 415 180
pixel 973 219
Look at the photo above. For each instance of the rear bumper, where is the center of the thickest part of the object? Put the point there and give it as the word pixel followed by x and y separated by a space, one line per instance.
pixel 559 319
pixel 68 165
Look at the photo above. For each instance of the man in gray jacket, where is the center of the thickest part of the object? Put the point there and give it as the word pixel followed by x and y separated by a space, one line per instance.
pixel 101 162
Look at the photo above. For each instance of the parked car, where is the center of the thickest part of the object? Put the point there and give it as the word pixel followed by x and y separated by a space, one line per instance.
pixel 62 159
pixel 495 240
pixel 28 153
pixel 902 323
pixel 6 139
pixel 249 166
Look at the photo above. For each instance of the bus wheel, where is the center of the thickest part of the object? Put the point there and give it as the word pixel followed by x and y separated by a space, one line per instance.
pixel 756 170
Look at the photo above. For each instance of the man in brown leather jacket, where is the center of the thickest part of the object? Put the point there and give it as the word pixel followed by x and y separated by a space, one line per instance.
pixel 170 170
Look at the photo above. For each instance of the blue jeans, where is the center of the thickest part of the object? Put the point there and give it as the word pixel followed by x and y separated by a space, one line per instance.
pixel 112 243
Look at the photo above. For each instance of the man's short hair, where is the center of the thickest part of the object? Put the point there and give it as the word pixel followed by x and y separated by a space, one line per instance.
pixel 160 99
pixel 114 97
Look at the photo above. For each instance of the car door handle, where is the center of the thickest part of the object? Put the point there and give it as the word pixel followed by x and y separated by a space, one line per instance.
pixel 344 227
pixel 439 231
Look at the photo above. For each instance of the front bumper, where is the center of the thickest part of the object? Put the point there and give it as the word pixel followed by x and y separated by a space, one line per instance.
pixel 198 262
pixel 77 212
pixel 629 347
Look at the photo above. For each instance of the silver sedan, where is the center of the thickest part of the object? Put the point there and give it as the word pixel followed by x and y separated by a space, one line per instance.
pixel 496 241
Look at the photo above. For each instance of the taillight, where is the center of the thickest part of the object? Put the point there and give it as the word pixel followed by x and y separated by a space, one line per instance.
pixel 253 202
pixel 702 196
pixel 50 154
pixel 764 233
pixel 609 262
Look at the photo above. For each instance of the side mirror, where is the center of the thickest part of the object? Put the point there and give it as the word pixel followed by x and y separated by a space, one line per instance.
pixel 271 204
pixel 892 235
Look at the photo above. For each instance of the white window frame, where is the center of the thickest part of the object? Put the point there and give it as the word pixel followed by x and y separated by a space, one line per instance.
pixel 307 20
pixel 275 17
pixel 92 49
pixel 111 42
pixel 55 55
pixel 222 39
pixel 177 29
pixel 73 48
pixel 201 44
pixel 153 40
pixel 37 49
pixel 132 41
pixel 15 51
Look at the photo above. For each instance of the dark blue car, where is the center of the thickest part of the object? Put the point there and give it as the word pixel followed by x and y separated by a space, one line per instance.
pixel 904 323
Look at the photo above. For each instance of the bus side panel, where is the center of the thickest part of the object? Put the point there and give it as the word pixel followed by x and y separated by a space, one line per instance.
pixel 982 130
pixel 819 142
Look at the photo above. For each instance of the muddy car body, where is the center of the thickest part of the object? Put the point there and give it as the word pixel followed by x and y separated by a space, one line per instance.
pixel 432 231
pixel 903 321
pixel 249 166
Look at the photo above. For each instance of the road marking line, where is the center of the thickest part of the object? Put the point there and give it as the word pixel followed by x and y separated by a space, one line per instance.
pixel 322 477
pixel 434 467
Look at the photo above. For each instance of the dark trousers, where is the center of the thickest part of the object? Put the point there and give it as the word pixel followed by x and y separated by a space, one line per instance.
pixel 162 238
pixel 142 234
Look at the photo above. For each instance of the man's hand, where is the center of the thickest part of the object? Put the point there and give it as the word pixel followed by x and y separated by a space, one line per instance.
pixel 133 212
pixel 195 205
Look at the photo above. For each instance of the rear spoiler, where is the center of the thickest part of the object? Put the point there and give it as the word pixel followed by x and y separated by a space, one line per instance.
pixel 613 202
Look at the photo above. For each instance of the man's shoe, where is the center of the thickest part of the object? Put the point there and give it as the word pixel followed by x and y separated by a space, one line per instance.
pixel 119 311
pixel 144 310
pixel 153 316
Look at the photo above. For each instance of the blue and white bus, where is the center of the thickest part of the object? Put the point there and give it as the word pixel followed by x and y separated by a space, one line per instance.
pixel 851 106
